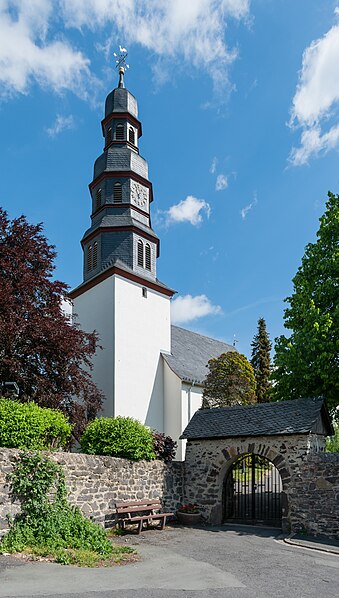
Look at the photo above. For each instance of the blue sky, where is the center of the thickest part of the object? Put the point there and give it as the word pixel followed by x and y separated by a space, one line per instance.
pixel 239 105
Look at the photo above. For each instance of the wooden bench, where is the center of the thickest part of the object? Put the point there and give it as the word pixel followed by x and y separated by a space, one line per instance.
pixel 139 512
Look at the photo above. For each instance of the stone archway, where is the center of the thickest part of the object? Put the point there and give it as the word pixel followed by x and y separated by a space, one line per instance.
pixel 208 462
pixel 252 492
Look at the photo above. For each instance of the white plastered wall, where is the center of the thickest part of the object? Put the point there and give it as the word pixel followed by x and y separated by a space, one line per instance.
pixel 191 401
pixel 142 331
pixel 182 400
pixel 95 311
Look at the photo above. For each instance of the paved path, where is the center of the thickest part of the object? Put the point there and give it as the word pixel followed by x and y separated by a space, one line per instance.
pixel 184 562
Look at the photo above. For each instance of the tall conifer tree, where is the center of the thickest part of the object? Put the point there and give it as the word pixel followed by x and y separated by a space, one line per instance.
pixel 261 362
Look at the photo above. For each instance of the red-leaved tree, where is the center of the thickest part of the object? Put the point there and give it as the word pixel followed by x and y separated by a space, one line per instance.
pixel 40 349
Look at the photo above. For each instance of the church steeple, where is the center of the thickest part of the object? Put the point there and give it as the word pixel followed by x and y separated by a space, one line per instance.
pixel 121 232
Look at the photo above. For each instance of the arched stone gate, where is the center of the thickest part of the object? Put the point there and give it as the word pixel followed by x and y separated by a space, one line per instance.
pixel 284 433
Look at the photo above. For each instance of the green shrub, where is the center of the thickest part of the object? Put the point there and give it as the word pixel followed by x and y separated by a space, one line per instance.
pixel 122 437
pixel 28 426
pixel 47 523
pixel 332 442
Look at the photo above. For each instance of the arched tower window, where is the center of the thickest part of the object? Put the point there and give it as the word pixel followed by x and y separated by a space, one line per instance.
pixel 109 135
pixel 148 256
pixel 131 136
pixel 98 199
pixel 89 258
pixel 119 132
pixel 140 253
pixel 117 193
pixel 95 254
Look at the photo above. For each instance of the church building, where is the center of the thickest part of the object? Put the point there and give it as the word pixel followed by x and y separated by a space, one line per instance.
pixel 147 369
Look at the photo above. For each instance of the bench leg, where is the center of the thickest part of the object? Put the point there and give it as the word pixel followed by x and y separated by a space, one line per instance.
pixel 139 526
pixel 163 522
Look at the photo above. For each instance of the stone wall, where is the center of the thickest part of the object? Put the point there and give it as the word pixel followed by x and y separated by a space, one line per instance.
pixel 314 496
pixel 310 480
pixel 208 462
pixel 95 483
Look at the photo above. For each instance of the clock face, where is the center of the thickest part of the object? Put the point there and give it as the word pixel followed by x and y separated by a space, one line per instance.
pixel 139 194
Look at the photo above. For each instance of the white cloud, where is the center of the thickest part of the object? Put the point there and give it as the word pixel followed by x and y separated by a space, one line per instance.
pixel 188 308
pixel 26 55
pixel 244 211
pixel 313 143
pixel 176 32
pixel 61 123
pixel 221 182
pixel 34 46
pixel 213 166
pixel 189 210
pixel 316 101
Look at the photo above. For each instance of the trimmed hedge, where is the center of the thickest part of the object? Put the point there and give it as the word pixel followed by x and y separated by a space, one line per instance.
pixel 122 437
pixel 28 426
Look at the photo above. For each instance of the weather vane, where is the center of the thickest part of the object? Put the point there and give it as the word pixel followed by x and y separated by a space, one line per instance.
pixel 121 59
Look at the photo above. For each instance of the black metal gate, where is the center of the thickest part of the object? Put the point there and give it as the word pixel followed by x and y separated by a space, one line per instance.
pixel 253 492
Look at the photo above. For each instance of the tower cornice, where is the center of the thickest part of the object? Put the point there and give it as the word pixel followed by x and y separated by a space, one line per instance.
pixel 113 229
pixel 121 115
pixel 115 270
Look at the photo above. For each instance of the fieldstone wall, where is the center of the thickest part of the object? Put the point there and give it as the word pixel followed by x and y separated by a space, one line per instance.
pixel 314 496
pixel 95 483
pixel 208 462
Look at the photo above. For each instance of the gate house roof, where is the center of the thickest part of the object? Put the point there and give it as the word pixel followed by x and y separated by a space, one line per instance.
pixel 299 416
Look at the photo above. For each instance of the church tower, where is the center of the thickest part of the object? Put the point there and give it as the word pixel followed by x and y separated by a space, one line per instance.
pixel 120 296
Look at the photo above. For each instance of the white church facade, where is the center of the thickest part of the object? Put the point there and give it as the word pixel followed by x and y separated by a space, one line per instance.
pixel 147 369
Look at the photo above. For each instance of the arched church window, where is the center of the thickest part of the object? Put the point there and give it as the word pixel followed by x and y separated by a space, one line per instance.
pixel 98 199
pixel 89 257
pixel 95 254
pixel 140 253
pixel 119 132
pixel 148 256
pixel 109 135
pixel 131 136
pixel 117 193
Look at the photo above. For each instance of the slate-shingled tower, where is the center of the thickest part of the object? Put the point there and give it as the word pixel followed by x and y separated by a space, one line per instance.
pixel 121 195
pixel 120 296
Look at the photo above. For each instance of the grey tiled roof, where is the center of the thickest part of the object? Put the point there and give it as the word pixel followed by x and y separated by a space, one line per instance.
pixel 118 158
pixel 121 100
pixel 116 221
pixel 191 352
pixel 299 416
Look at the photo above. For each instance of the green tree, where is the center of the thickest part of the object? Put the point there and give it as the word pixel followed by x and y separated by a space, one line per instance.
pixel 261 362
pixel 306 363
pixel 230 381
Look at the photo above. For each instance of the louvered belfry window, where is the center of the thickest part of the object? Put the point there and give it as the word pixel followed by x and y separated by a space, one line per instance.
pixel 109 135
pixel 95 254
pixel 117 193
pixel 148 256
pixel 98 199
pixel 131 137
pixel 140 253
pixel 89 257
pixel 119 132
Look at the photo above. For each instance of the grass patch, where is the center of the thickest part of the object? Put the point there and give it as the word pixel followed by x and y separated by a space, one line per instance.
pixel 80 557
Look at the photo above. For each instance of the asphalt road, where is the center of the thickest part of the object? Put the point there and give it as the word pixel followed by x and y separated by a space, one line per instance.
pixel 217 562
